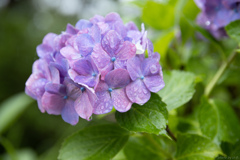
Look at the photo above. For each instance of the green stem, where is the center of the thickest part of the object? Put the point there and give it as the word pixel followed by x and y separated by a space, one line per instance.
pixel 219 73
pixel 9 148
pixel 171 134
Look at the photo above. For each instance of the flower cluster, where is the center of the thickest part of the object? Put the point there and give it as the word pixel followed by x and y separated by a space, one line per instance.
pixel 216 14
pixel 92 67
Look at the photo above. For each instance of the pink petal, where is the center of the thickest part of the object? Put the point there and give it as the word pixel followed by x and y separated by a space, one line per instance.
pixel 104 103
pixel 128 50
pixel 70 53
pixel 83 106
pixel 55 75
pixel 120 100
pixel 117 78
pixel 137 92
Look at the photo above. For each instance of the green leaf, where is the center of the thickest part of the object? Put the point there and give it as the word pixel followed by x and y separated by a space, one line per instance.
pixel 158 15
pixel 236 150
pixel 196 147
pixel 218 121
pixel 162 44
pixel 233 30
pixel 150 117
pixel 99 142
pixel 13 108
pixel 179 88
pixel 149 147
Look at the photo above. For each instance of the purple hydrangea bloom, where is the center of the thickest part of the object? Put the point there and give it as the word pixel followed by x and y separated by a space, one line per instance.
pixel 93 66
pixel 111 92
pixel 216 14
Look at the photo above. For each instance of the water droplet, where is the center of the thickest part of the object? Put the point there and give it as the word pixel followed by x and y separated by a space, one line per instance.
pixel 207 23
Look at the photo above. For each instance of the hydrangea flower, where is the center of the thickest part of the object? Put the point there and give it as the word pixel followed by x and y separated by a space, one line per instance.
pixel 93 66
pixel 216 14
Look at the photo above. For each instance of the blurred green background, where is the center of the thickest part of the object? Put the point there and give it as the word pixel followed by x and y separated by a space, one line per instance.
pixel 171 26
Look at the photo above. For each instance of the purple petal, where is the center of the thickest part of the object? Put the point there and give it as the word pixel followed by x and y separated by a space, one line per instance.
pixel 102 86
pixel 104 103
pixel 73 89
pixel 55 76
pixel 120 64
pixel 69 114
pixel 70 29
pixel 120 100
pixel 135 35
pixel 102 60
pixel 119 27
pixel 150 48
pixel 95 32
pixel 35 86
pixel 83 106
pixel 131 26
pixel 128 50
pixel 44 50
pixel 52 103
pixel 111 42
pixel 85 44
pixel 150 67
pixel 39 102
pixel 112 17
pixel 134 68
pixel 117 78
pixel 70 53
pixel 137 92
pixel 200 3
pixel 55 89
pixel 60 41
pixel 83 24
pixel 49 39
pixel 88 80
pixel 154 83
pixel 97 19
pixel 83 67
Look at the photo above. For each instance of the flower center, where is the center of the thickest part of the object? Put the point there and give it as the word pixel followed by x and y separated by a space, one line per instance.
pixel 142 77
pixel 65 97
pixel 94 74
pixel 82 89
pixel 110 89
pixel 113 59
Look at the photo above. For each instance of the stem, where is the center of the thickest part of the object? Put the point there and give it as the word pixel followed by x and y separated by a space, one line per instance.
pixel 9 148
pixel 219 73
pixel 171 134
